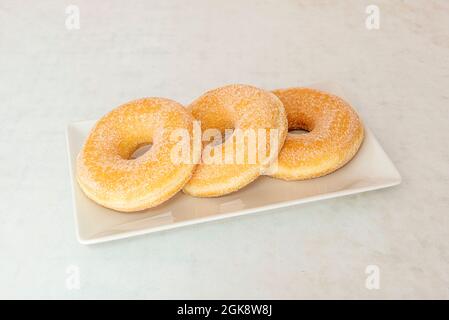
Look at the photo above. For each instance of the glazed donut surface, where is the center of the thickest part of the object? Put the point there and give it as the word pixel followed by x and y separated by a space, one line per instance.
pixel 105 170
pixel 334 135
pixel 235 107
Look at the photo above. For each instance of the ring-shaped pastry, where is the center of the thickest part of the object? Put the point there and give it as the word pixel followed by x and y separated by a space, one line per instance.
pixel 249 111
pixel 108 175
pixel 334 134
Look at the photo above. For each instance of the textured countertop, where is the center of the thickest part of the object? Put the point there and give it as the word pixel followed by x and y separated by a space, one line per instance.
pixel 51 76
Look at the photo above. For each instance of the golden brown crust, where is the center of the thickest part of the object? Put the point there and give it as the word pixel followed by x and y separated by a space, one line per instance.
pixel 334 137
pixel 105 171
pixel 235 107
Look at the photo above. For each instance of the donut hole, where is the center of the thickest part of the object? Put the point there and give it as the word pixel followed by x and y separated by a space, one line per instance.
pixel 140 150
pixel 297 132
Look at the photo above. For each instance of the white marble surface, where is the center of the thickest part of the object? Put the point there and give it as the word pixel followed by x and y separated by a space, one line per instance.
pixel 50 76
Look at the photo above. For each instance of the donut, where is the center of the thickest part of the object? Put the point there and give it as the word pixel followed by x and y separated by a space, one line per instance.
pixel 244 109
pixel 108 174
pixel 334 134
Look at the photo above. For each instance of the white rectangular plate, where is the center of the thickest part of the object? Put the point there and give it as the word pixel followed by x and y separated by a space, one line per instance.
pixel 370 169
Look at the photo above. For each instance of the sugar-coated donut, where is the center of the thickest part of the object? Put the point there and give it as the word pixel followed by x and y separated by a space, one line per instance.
pixel 108 175
pixel 335 133
pixel 242 108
